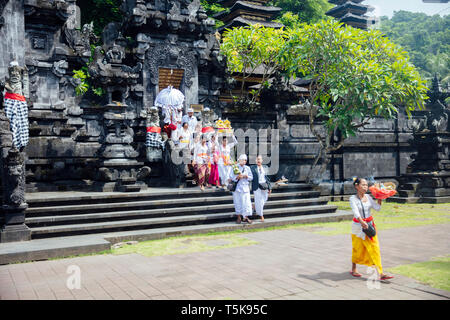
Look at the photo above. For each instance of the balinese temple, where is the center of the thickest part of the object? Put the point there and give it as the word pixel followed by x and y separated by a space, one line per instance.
pixel 244 13
pixel 352 13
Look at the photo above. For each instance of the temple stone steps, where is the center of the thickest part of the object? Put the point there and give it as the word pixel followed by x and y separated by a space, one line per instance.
pixel 72 214
pixel 168 221
pixel 165 212
pixel 153 204
pixel 70 198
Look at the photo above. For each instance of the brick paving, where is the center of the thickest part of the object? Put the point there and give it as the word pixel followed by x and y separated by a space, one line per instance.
pixel 289 264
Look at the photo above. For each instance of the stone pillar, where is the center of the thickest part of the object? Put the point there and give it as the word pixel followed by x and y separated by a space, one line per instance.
pixel 13 226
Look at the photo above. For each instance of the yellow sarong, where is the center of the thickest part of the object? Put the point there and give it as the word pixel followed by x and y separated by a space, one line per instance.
pixel 366 252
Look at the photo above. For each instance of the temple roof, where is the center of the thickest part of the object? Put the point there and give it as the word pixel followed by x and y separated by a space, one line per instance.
pixel 229 3
pixel 339 2
pixel 242 22
pixel 243 7
pixel 349 7
pixel 362 22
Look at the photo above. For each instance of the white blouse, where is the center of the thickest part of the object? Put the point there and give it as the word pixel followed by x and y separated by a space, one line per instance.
pixel 355 204
pixel 261 174
pixel 225 152
pixel 201 154
pixel 187 138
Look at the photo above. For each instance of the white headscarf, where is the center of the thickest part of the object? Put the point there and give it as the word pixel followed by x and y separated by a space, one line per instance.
pixel 242 157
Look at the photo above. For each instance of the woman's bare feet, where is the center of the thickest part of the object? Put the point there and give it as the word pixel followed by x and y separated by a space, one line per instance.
pixel 262 219
pixel 238 221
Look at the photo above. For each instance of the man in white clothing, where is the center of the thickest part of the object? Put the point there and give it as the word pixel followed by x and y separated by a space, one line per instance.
pixel 260 186
pixel 190 119
pixel 241 196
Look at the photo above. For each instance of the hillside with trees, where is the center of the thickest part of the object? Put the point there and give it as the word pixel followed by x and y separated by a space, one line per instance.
pixel 425 38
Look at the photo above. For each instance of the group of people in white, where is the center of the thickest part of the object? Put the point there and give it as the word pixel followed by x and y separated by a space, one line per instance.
pixel 211 161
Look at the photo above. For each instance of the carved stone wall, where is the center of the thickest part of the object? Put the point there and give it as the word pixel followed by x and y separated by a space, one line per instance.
pixel 381 151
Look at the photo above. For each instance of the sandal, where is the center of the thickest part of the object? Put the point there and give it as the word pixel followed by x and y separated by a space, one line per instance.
pixel 386 277
pixel 248 220
pixel 355 274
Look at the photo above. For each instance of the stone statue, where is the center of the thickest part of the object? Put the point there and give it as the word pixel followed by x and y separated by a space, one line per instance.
pixel 154 143
pixel 207 117
pixel 14 185
pixel 80 41
pixel 16 108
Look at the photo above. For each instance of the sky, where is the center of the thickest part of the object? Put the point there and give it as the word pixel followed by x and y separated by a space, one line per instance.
pixel 387 7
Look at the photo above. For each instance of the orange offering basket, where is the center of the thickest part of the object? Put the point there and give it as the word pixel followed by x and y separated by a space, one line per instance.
pixel 379 193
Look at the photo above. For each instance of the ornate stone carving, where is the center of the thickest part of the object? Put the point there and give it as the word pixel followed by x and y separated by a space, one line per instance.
pixel 59 68
pixel 168 55
pixel 39 42
pixel 80 41
pixel 14 186
pixel 152 117
pixel 115 54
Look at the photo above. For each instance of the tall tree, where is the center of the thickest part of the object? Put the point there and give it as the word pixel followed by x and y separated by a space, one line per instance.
pixel 248 49
pixel 355 75
pixel 309 11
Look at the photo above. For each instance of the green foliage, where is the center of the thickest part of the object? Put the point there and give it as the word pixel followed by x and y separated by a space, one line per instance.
pixel 248 49
pixel 85 83
pixel 426 38
pixel 308 11
pixel 289 20
pixel 356 74
pixel 101 12
pixel 83 86
pixel 212 8
pixel 435 273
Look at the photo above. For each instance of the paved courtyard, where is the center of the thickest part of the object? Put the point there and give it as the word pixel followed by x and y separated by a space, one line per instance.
pixel 285 264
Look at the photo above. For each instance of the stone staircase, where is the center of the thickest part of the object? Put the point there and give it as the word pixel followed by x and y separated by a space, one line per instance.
pixel 109 213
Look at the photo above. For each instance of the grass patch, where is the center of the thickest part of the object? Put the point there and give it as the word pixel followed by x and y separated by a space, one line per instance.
pixel 391 216
pixel 435 273
pixel 185 244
